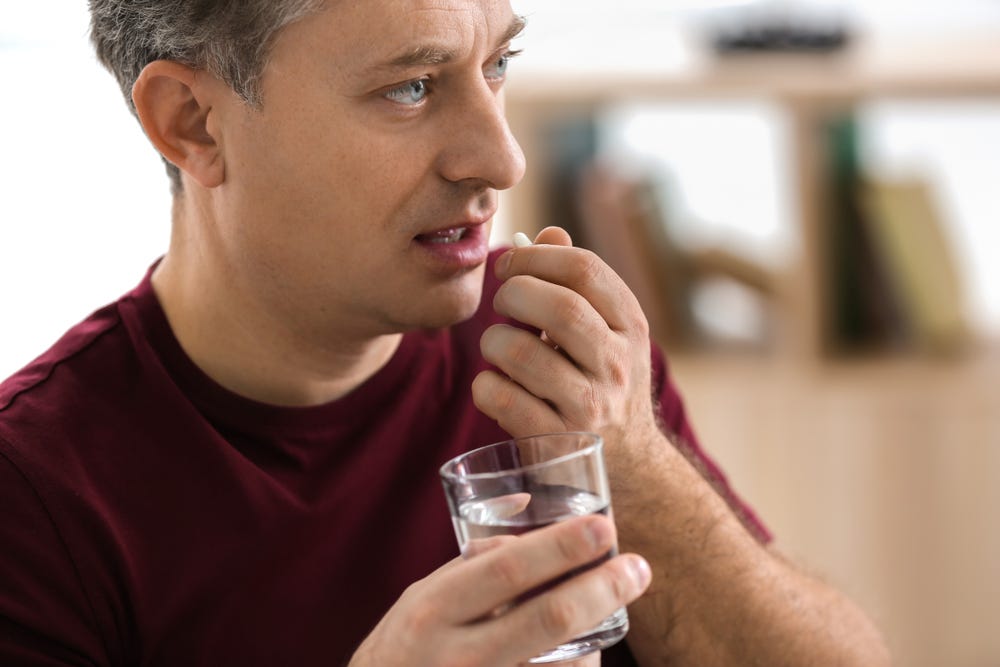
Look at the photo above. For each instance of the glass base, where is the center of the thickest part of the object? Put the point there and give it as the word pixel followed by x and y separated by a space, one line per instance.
pixel 607 634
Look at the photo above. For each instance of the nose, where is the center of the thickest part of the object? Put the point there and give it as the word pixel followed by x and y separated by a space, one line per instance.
pixel 479 145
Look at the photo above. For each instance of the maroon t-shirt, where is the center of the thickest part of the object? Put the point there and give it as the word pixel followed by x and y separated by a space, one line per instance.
pixel 151 517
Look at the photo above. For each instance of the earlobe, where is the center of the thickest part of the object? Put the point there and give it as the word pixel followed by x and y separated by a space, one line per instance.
pixel 174 111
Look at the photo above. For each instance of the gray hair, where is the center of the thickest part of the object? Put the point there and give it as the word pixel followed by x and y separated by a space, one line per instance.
pixel 229 38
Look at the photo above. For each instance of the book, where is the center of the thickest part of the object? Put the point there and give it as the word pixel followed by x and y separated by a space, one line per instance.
pixel 864 312
pixel 907 231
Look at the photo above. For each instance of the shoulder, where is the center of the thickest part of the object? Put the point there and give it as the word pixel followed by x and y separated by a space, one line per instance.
pixel 45 608
pixel 44 410
pixel 71 394
pixel 38 375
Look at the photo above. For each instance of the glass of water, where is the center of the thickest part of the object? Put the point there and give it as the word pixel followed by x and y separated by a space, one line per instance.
pixel 511 487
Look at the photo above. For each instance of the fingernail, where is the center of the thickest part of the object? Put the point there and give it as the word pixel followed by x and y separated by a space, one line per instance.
pixel 639 570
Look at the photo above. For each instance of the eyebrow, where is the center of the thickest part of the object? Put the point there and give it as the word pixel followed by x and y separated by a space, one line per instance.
pixel 435 55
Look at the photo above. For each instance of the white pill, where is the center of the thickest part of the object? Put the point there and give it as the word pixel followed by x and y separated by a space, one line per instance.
pixel 521 240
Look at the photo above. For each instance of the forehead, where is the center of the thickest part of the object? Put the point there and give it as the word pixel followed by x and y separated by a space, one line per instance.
pixel 369 33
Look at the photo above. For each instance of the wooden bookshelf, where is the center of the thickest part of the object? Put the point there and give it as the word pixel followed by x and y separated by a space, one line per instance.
pixel 879 474
pixel 810 89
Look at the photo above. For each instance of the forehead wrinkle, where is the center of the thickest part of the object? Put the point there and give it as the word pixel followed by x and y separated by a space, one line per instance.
pixel 430 54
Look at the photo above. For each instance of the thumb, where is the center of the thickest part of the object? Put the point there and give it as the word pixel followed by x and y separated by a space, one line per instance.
pixel 554 236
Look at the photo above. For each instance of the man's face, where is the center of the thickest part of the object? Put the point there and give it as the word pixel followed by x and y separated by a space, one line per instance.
pixel 360 195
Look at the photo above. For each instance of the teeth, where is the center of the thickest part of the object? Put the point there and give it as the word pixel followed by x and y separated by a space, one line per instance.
pixel 449 236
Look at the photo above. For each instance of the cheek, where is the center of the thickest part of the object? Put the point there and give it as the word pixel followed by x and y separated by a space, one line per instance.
pixel 313 184
pixel 361 170
pixel 388 165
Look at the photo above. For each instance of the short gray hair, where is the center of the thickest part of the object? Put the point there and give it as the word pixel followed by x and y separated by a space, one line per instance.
pixel 230 38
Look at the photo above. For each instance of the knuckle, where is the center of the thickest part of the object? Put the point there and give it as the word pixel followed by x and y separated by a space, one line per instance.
pixel 572 546
pixel 513 288
pixel 523 352
pixel 640 324
pixel 572 311
pixel 619 585
pixel 588 266
pixel 591 403
pixel 617 368
pixel 557 616
pixel 504 396
pixel 511 572
pixel 492 393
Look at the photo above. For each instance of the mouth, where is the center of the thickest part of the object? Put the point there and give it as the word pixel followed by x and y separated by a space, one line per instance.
pixel 455 248
pixel 444 236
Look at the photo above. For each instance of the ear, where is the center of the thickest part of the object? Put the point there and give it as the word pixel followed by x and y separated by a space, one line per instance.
pixel 174 105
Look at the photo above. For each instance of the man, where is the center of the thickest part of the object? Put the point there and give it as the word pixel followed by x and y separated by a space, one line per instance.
pixel 236 462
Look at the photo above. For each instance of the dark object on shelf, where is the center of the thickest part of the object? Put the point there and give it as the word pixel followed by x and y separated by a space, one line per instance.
pixel 771 38
pixel 865 313
pixel 894 282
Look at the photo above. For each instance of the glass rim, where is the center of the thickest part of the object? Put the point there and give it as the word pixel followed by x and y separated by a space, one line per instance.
pixel 445 469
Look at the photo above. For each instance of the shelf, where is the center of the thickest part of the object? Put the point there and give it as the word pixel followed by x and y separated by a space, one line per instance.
pixel 811 90
pixel 911 69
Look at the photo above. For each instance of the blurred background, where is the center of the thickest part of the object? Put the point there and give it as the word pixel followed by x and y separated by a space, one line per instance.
pixel 802 194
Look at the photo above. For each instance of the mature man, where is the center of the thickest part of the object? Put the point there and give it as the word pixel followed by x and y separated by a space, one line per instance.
pixel 235 464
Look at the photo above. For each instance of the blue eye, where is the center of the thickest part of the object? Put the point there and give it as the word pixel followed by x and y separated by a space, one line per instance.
pixel 498 68
pixel 410 93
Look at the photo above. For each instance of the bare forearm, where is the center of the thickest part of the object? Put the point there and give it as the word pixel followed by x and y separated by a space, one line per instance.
pixel 718 596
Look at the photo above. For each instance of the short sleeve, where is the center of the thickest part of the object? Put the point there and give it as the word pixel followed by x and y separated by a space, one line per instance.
pixel 45 619
pixel 674 422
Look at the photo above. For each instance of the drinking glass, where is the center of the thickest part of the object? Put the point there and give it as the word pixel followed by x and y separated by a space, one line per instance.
pixel 511 487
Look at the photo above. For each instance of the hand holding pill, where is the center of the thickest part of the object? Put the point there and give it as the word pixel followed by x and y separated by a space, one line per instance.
pixel 590 370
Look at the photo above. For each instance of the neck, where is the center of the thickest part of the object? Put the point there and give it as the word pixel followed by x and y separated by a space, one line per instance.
pixel 228 329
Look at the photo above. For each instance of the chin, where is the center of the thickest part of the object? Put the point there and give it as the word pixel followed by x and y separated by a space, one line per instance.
pixel 445 315
pixel 447 305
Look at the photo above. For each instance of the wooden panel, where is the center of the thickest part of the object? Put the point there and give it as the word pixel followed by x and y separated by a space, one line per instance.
pixel 883 476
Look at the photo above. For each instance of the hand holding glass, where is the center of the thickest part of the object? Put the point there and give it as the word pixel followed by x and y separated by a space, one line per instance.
pixel 512 487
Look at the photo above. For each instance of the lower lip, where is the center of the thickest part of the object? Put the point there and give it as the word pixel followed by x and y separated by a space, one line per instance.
pixel 467 253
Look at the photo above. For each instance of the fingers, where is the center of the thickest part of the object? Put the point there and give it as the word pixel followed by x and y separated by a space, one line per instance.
pixel 569 320
pixel 580 271
pixel 508 571
pixel 549 388
pixel 572 608
pixel 487 610
pixel 516 410
pixel 534 362
pixel 590 368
